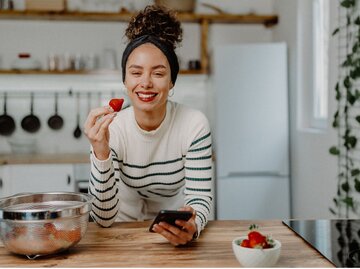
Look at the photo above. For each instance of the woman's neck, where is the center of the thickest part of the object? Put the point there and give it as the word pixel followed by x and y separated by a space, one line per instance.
pixel 150 120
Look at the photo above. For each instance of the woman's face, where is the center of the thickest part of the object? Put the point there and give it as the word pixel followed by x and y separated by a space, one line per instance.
pixel 148 78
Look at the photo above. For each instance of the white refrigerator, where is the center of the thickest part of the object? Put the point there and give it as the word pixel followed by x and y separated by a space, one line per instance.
pixel 251 131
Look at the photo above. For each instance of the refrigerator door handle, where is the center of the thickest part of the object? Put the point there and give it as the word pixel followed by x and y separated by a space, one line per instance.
pixel 257 174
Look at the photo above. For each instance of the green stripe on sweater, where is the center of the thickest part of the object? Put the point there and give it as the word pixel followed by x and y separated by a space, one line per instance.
pixel 200 149
pixel 102 218
pixel 106 209
pixel 198 168
pixel 197 203
pixel 193 189
pixel 198 179
pixel 150 164
pixel 153 174
pixel 198 199
pixel 153 183
pixel 199 158
pixel 99 181
pixel 200 139
pixel 104 200
pixel 102 191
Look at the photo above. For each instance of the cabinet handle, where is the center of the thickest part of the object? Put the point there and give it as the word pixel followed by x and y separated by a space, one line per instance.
pixel 1 183
pixel 68 179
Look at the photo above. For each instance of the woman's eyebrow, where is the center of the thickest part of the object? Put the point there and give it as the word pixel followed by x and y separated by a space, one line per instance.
pixel 159 66
pixel 136 66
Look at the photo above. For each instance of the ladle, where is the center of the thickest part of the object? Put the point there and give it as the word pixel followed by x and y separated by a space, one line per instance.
pixel 77 131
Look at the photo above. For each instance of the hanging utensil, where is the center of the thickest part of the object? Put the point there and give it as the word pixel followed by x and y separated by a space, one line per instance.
pixel 77 131
pixel 7 123
pixel 31 123
pixel 56 122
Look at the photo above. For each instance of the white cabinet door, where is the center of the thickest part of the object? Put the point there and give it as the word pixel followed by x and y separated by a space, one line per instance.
pixel 41 178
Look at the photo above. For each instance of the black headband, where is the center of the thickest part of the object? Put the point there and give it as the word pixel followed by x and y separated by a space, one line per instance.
pixel 167 50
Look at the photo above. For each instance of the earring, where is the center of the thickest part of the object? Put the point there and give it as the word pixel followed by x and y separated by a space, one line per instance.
pixel 171 92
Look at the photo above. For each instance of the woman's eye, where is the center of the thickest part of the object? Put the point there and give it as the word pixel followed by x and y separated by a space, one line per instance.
pixel 159 74
pixel 136 73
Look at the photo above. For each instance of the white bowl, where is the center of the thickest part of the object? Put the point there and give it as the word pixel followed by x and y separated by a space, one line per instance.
pixel 253 257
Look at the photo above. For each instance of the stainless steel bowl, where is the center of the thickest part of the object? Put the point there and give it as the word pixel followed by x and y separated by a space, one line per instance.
pixel 36 224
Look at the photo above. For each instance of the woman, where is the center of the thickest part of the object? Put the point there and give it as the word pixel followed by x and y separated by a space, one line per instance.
pixel 155 154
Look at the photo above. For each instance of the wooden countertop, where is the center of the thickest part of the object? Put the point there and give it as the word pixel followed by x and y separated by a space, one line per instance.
pixel 44 158
pixel 129 244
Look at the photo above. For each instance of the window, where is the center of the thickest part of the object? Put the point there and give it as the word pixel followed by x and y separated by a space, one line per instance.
pixel 320 58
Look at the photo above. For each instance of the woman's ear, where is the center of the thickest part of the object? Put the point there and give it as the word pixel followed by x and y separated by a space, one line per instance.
pixel 171 85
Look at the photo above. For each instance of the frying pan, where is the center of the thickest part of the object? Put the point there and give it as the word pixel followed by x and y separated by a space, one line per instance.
pixel 31 123
pixel 7 123
pixel 56 122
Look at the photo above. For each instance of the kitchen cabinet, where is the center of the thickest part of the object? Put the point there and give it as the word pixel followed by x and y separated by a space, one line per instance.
pixel 39 178
pixel 204 20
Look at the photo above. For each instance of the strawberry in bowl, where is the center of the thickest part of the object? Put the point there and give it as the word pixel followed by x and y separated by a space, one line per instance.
pixel 256 249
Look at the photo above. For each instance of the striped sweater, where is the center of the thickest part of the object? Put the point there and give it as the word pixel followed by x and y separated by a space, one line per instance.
pixel 147 171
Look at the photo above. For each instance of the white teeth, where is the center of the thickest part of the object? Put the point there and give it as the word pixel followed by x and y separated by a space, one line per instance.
pixel 141 95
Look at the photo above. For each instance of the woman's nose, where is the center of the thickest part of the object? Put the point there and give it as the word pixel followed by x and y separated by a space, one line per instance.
pixel 146 82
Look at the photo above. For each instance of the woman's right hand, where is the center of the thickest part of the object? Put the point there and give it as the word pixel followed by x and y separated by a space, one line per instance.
pixel 96 129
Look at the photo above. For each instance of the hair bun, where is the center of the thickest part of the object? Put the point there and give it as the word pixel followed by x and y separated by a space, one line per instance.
pixel 156 21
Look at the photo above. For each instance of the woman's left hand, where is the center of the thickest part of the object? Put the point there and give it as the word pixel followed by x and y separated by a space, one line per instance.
pixel 178 236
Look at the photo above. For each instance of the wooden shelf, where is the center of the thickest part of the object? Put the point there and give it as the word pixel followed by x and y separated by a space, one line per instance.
pixel 267 20
pixel 203 19
pixel 93 72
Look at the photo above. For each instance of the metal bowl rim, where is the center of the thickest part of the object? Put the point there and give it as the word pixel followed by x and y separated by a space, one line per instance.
pixel 43 214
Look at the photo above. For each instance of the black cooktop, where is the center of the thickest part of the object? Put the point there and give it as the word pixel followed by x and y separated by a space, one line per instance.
pixel 336 240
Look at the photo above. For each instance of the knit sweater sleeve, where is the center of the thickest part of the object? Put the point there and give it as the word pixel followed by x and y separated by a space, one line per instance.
pixel 198 171
pixel 104 188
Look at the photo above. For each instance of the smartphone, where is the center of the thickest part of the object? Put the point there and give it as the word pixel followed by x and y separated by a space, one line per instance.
pixel 170 216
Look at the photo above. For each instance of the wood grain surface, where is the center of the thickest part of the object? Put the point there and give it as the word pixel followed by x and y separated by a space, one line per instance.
pixel 130 244
pixel 44 158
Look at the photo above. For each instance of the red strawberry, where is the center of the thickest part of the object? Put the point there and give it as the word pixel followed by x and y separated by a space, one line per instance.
pixel 116 104
pixel 245 243
pixel 257 240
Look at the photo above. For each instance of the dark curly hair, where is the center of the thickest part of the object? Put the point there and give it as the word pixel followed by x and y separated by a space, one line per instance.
pixel 156 21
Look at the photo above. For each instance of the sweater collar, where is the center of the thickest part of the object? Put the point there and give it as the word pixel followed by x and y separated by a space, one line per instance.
pixel 163 126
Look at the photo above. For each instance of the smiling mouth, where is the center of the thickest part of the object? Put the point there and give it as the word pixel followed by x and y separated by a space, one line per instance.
pixel 146 97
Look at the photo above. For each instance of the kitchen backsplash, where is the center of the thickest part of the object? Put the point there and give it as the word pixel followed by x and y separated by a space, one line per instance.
pixel 93 92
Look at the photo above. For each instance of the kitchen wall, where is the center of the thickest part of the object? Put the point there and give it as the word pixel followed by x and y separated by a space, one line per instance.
pixel 313 170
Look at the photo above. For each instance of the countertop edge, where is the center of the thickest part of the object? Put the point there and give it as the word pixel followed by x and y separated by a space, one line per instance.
pixel 61 158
